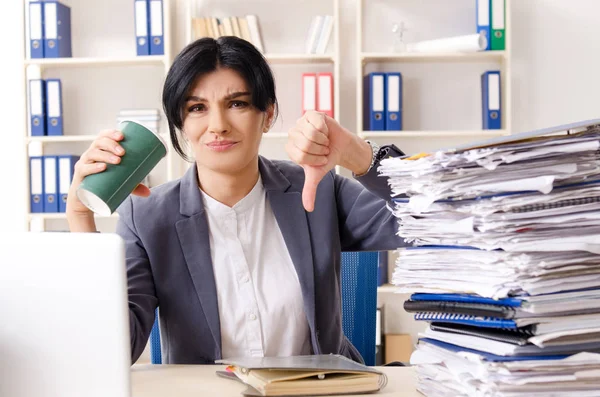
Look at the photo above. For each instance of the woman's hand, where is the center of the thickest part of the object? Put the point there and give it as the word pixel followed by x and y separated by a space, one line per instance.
pixel 318 143
pixel 104 150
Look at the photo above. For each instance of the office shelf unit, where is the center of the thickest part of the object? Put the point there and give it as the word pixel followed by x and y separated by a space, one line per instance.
pixel 365 58
pixel 85 64
pixel 107 65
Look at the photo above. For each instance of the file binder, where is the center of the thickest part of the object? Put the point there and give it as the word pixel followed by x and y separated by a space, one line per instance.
pixel 374 106
pixel 37 107
pixel 497 24
pixel 157 42
pixel 325 93
pixel 54 107
pixel 66 169
pixel 309 92
pixel 483 21
pixel 36 184
pixel 393 112
pixel 141 28
pixel 57 30
pixel 36 29
pixel 491 100
pixel 50 183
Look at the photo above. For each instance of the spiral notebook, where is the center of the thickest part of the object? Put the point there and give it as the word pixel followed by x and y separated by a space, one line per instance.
pixel 473 309
pixel 304 375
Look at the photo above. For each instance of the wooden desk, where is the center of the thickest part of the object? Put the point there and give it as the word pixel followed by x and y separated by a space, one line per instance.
pixel 200 380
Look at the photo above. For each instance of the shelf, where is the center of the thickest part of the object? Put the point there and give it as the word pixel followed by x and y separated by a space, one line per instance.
pixel 62 215
pixel 71 138
pixel 299 58
pixel 387 288
pixel 432 134
pixel 482 56
pixel 92 62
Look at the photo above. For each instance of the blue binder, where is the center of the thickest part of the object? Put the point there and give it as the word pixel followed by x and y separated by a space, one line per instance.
pixel 57 30
pixel 491 100
pixel 393 112
pixel 54 107
pixel 66 169
pixel 37 107
pixel 157 42
pixel 36 29
pixel 50 183
pixel 36 184
pixel 374 105
pixel 141 27
pixel 512 302
pixel 483 21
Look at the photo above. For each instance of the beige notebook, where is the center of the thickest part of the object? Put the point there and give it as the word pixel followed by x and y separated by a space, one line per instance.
pixel 305 375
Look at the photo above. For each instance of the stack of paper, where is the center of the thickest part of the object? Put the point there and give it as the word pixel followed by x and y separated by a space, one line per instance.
pixel 505 263
pixel 150 118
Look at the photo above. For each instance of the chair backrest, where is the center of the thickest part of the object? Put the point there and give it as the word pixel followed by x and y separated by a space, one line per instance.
pixel 155 351
pixel 359 301
pixel 359 305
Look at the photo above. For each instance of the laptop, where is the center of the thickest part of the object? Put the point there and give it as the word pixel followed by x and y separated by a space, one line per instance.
pixel 64 320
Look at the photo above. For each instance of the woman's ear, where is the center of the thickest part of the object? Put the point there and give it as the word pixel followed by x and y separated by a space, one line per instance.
pixel 268 120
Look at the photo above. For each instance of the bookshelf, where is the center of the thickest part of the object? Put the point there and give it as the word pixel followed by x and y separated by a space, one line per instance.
pixel 420 14
pixel 98 61
pixel 104 56
pixel 107 63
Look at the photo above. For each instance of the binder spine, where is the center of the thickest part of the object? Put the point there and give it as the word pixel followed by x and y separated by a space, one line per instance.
pixel 497 25
pixel 36 30
pixel 483 20
pixel 141 27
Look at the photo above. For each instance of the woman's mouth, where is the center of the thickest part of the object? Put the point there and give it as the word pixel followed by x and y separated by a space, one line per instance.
pixel 221 146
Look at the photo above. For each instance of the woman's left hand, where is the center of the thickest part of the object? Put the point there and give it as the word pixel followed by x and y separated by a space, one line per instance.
pixel 318 143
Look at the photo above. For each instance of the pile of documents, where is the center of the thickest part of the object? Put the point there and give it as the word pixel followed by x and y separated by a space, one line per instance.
pixel 150 118
pixel 504 263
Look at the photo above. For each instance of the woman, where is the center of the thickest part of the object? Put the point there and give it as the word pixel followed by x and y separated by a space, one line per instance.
pixel 236 264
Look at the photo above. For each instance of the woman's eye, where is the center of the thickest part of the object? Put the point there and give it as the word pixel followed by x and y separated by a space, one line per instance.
pixel 196 108
pixel 239 104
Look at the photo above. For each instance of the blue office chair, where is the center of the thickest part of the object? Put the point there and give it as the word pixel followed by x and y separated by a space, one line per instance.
pixel 359 305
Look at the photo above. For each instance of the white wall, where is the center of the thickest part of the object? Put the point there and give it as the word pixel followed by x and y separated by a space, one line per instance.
pixel 555 80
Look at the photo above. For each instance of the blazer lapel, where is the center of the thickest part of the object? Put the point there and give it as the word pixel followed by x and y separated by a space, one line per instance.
pixel 293 223
pixel 194 238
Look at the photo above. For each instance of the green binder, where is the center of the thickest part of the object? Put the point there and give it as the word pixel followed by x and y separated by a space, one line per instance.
pixel 497 17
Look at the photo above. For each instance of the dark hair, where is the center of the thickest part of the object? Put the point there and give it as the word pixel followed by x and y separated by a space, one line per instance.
pixel 207 55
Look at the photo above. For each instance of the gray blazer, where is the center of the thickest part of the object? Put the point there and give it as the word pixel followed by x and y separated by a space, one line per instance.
pixel 169 263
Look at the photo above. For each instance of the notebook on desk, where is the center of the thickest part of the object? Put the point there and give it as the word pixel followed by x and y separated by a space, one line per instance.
pixel 305 375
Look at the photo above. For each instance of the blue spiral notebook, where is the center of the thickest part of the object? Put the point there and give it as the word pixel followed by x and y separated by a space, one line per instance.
pixel 465 319
pixel 466 298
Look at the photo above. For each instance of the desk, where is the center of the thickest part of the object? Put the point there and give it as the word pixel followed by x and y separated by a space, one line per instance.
pixel 200 380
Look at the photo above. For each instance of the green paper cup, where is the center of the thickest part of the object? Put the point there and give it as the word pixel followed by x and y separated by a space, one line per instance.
pixel 104 192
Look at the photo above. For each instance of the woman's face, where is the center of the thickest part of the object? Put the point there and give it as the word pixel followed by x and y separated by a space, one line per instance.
pixel 220 123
